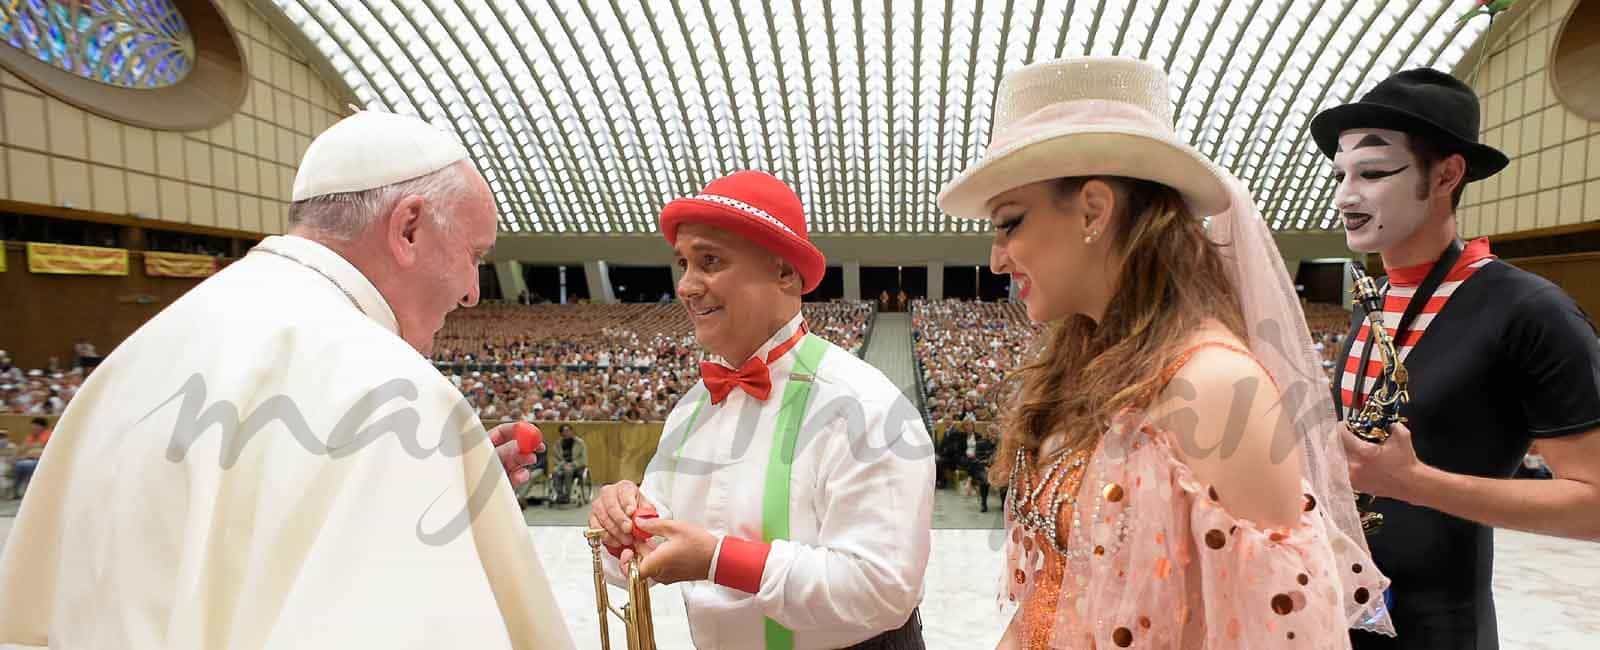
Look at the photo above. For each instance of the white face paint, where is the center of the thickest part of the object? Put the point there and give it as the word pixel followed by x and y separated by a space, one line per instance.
pixel 1379 185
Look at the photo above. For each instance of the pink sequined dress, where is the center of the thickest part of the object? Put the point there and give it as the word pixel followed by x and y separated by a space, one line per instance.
pixel 1153 559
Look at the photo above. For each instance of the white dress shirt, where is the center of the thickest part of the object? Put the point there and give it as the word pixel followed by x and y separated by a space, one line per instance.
pixel 861 503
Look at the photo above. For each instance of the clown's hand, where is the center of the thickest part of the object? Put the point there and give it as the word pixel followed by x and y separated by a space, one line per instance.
pixel 685 555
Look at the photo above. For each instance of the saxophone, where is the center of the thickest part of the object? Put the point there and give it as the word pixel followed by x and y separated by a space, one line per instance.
pixel 1381 408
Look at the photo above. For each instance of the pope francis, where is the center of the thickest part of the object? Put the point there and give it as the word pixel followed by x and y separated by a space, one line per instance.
pixel 272 462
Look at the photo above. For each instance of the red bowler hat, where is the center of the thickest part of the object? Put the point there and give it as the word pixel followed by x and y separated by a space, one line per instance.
pixel 756 206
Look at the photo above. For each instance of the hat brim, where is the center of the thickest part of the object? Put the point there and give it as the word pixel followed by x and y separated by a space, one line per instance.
pixel 1483 160
pixel 805 256
pixel 1078 151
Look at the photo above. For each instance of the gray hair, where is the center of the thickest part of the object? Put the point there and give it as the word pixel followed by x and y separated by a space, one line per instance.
pixel 344 215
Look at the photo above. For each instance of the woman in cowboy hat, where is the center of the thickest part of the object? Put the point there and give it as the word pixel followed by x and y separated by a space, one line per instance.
pixel 1174 482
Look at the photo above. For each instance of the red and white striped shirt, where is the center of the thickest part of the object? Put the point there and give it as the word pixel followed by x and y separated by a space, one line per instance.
pixel 1403 285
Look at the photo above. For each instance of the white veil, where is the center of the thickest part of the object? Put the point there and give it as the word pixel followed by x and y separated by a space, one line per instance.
pixel 1280 339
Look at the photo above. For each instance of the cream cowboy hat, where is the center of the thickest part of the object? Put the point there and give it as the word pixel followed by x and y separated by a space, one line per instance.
pixel 1085 116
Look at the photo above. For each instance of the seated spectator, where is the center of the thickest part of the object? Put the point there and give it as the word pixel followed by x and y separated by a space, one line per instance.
pixel 951 455
pixel 536 471
pixel 568 458
pixel 8 457
pixel 28 456
pixel 981 446
pixel 86 353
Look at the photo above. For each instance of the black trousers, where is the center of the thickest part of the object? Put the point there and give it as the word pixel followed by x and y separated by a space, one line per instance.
pixel 908 637
pixel 1433 626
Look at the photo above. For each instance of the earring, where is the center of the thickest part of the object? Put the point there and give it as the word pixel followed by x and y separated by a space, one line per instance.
pixel 1088 238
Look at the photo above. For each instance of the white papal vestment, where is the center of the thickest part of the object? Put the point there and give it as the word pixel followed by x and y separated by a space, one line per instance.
pixel 265 464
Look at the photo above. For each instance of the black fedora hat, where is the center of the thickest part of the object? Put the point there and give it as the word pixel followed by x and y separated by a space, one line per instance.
pixel 1422 102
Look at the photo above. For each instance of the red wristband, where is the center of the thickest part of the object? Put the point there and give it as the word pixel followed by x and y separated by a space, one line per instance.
pixel 741 563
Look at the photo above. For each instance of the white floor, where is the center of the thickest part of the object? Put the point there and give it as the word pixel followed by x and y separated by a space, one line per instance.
pixel 1544 590
pixel 958 610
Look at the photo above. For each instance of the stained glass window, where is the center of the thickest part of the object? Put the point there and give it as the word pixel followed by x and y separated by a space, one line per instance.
pixel 127 43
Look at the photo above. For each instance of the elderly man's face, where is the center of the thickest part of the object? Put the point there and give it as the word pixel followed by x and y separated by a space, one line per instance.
pixel 732 288
pixel 444 273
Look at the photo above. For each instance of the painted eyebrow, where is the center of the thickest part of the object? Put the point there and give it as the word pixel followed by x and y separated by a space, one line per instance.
pixel 1371 140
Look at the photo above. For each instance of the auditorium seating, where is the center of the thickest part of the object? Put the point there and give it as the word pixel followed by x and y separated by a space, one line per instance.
pixel 964 349
pixel 627 363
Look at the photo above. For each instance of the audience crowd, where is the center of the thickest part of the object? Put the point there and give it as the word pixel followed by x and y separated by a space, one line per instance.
pixel 39 391
pixel 593 362
pixel 964 351
pixel 631 362
pixel 1329 325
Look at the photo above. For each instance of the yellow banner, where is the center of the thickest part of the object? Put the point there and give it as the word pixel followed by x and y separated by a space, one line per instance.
pixel 76 260
pixel 2 256
pixel 178 265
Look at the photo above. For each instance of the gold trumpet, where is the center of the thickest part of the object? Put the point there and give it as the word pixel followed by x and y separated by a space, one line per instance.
pixel 1382 408
pixel 635 614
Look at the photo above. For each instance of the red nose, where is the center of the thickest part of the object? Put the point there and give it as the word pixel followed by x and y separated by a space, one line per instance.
pixel 529 438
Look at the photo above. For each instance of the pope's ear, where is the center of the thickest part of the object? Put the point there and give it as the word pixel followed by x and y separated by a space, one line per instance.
pixel 401 227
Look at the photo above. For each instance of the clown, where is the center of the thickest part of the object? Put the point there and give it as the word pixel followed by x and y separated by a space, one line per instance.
pixel 794 484
pixel 1497 357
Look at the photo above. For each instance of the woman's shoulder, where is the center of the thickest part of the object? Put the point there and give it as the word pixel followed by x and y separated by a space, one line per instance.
pixel 1223 416
pixel 1209 357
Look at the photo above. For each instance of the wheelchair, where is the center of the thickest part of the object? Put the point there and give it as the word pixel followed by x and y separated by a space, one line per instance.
pixel 581 489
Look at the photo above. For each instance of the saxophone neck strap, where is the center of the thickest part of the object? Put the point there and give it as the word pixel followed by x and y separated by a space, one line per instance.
pixel 1425 291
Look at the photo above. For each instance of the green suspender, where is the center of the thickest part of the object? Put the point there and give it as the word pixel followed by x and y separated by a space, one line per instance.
pixel 775 498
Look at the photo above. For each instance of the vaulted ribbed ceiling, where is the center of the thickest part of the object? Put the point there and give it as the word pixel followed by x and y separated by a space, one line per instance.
pixel 586 117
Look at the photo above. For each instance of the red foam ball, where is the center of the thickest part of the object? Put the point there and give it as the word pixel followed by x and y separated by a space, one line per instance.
pixel 643 512
pixel 529 437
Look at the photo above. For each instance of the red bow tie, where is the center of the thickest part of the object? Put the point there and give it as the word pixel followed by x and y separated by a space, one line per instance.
pixel 754 377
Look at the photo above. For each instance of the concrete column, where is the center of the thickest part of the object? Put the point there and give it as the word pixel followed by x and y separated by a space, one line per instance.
pixel 852 280
pixel 512 283
pixel 599 283
pixel 935 280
